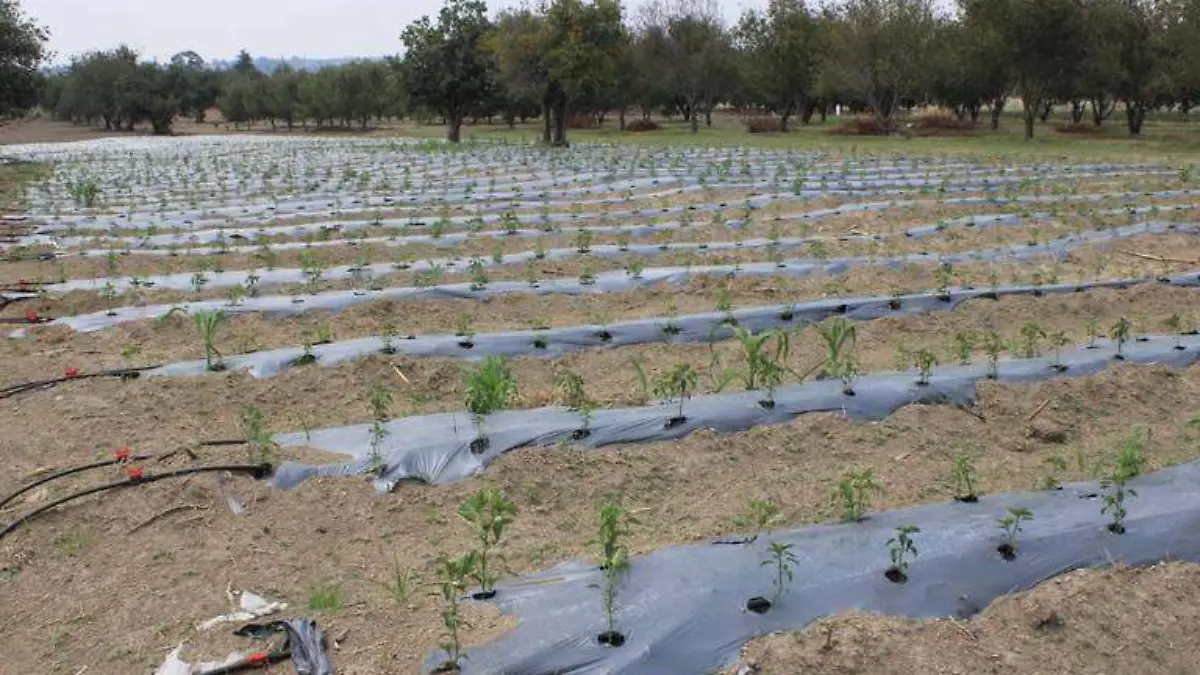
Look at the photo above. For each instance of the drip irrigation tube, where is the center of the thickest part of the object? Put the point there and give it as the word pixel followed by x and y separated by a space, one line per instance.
pixel 70 471
pixel 123 373
pixel 258 471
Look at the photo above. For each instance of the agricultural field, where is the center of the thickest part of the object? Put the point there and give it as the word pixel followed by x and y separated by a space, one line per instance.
pixel 622 408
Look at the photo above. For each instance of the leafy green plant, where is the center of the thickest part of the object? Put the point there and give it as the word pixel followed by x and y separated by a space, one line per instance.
pixel 900 549
pixel 387 336
pixel 462 326
pixel 452 576
pixel 854 492
pixel 848 371
pixel 963 476
pixel 764 353
pixel 583 240
pixel 642 380
pixel 1058 340
pixel 943 276
pixel 259 442
pixel 570 388
pixel 634 268
pixel 326 598
pixel 587 275
pixel 208 323
pixel 1058 466
pixel 490 387
pixel 1031 335
pixel 614 562
pixel 839 336
pixel 964 345
pixel 479 277
pixel 1174 323
pixel 1120 333
pixel 677 384
pixel 760 515
pixel 993 345
pixel 489 512
pixel 1130 463
pixel 780 557
pixel 380 398
pixel 924 359
pixel 1011 525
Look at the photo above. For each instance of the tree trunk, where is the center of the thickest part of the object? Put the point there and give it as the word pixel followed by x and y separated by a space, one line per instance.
pixel 974 110
pixel 997 109
pixel 560 122
pixel 1031 111
pixel 1076 112
pixel 546 120
pixel 1135 116
pixel 806 112
pixel 824 110
pixel 1045 114
pixel 694 117
pixel 621 117
pixel 783 120
pixel 454 130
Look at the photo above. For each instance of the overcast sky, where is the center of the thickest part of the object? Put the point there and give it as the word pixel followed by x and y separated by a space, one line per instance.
pixel 219 28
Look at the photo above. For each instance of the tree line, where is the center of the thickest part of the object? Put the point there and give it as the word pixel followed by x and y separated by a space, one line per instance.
pixel 567 60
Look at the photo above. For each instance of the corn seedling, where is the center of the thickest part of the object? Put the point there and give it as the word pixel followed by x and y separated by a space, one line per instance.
pixel 1130 463
pixel 489 512
pixel 463 326
pixel 924 359
pixel 854 491
pixel 1120 334
pixel 387 337
pixel 642 380
pixel 1092 327
pixel 1011 525
pixel 900 549
pixel 452 576
pixel 570 388
pixel 614 561
pixel 963 477
pixel 677 384
pixel 208 323
pixel 1058 340
pixel 839 336
pixel 764 353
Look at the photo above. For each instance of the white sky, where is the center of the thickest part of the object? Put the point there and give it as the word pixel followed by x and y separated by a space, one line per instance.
pixel 217 29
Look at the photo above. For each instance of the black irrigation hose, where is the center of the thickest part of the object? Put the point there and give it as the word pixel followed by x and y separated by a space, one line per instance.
pixel 70 471
pixel 124 373
pixel 256 470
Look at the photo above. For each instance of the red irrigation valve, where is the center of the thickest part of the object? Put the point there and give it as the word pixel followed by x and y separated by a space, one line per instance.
pixel 32 317
pixel 123 454
pixel 71 372
pixel 135 473
pixel 258 659
pixel 22 284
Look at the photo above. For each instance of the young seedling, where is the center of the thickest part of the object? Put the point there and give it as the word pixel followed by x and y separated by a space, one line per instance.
pixel 1031 334
pixel 489 512
pixel 760 515
pixel 587 276
pixel 677 384
pixel 479 277
pixel 381 404
pixel 583 241
pixel 725 306
pixel 452 576
pixel 208 323
pixel 964 346
pixel 780 557
pixel 839 336
pixel 924 359
pixel 964 478
pixel 387 337
pixel 1011 524
pixel 642 380
pixel 900 549
pixel 1058 340
pixel 614 561
pixel 944 276
pixel 259 442
pixel 1120 334
pixel 1058 466
pixel 854 492
pixel 634 268
pixel 1174 323
pixel 109 293
pixel 1130 463
pixel 764 353
pixel 570 387
pixel 490 387
pixel 993 345
pixel 848 371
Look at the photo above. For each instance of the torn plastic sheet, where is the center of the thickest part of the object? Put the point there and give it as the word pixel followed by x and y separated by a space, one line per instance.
pixel 439 448
pixel 249 606
pixel 682 609
pixel 184 281
pixel 604 282
pixel 705 327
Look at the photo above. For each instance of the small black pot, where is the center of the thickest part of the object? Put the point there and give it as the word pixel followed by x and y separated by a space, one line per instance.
pixel 758 605
pixel 895 575
pixel 675 421
pixel 611 638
